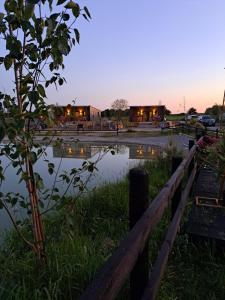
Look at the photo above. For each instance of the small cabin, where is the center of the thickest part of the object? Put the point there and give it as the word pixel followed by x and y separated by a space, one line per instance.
pixel 147 113
pixel 78 113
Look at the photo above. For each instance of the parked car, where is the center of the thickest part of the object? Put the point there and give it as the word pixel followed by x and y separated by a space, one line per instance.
pixel 207 120
pixel 192 117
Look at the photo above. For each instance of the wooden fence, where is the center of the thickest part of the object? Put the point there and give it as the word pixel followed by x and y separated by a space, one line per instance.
pixel 198 131
pixel 131 257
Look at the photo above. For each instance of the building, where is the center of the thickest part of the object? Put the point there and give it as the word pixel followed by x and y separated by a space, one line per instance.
pixel 78 113
pixel 147 113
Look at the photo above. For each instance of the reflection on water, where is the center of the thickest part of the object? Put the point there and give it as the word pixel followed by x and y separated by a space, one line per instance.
pixel 87 151
pixel 110 168
pixel 144 152
pixel 75 150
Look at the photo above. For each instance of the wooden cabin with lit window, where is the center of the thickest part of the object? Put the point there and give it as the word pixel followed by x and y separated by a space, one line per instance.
pixel 79 113
pixel 147 113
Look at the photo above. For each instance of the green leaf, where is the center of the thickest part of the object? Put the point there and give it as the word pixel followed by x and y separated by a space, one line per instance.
pixel 77 34
pixel 33 96
pixel 87 12
pixel 60 2
pixel 51 165
pixel 60 81
pixel 71 4
pixel 23 204
pixel 10 6
pixel 85 17
pixel 76 11
pixel 54 16
pixel 65 17
pixel 29 11
pixel 11 133
pixel 33 157
pixel 33 1
pixel 63 46
pixel 41 90
pixel 8 62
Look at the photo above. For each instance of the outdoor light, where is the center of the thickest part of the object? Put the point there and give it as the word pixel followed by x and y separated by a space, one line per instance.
pixel 70 150
pixel 140 151
pixel 68 112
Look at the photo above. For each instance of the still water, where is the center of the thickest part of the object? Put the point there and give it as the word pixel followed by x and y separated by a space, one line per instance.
pixel 110 168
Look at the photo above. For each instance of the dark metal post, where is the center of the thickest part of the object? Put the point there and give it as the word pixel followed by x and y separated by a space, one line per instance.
pixel 177 195
pixel 217 132
pixel 138 203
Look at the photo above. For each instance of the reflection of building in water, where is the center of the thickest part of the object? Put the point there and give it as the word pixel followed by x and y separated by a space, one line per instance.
pixel 76 150
pixel 118 148
pixel 144 152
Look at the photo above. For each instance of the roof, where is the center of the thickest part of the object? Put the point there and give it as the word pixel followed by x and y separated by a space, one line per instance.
pixel 147 106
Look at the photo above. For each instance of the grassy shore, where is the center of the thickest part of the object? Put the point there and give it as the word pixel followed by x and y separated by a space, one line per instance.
pixel 85 233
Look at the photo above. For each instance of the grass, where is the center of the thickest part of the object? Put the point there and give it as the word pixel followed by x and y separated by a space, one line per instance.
pixel 85 233
pixel 80 238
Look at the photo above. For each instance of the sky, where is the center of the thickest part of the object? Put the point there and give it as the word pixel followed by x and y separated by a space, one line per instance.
pixel 148 52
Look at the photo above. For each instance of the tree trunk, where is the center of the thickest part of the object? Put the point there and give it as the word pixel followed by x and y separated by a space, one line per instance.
pixel 37 226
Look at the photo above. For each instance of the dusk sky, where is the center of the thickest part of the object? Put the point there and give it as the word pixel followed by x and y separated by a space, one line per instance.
pixel 148 52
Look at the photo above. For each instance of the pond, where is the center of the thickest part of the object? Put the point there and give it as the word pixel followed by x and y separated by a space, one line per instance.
pixel 110 168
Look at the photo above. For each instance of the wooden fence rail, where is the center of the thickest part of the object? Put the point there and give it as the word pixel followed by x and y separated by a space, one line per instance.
pixel 109 280
pixel 160 264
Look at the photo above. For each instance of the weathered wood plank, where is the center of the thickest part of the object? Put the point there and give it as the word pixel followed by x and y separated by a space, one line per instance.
pixel 207 219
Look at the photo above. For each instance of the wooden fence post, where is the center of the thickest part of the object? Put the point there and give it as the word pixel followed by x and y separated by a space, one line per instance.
pixel 191 166
pixel 177 195
pixel 138 203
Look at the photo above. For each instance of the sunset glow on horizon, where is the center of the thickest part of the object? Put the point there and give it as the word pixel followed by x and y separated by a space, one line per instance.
pixel 159 51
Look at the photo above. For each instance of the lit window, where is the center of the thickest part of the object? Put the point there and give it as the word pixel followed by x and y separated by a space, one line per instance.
pixel 70 150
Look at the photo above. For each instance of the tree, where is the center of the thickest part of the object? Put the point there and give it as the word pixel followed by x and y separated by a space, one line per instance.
pixel 119 106
pixel 214 110
pixel 167 112
pixel 192 111
pixel 36 41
